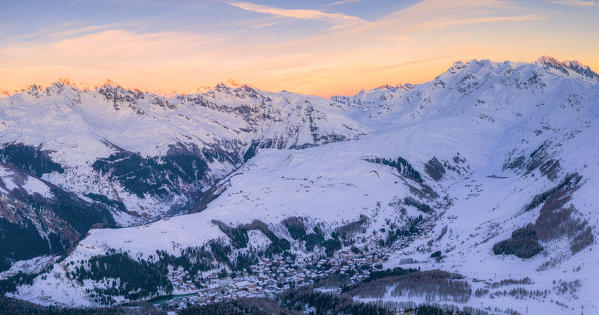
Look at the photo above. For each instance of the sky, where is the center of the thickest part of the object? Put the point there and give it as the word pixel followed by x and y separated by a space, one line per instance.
pixel 328 47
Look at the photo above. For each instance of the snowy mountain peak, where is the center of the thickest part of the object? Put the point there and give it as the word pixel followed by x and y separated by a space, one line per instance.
pixel 65 81
pixel 475 73
pixel 476 82
pixel 569 68
pixel 568 65
pixel 457 66
pixel 110 83
pixel 476 67
pixel 554 62
pixel 232 83
pixel 488 171
pixel 213 132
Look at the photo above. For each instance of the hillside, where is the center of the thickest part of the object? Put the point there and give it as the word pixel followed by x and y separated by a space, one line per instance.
pixel 135 157
pixel 482 180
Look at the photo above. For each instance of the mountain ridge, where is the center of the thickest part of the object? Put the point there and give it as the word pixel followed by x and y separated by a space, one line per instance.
pixel 545 60
pixel 487 171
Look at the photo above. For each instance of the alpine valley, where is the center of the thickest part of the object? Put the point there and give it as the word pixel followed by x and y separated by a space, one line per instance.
pixel 476 192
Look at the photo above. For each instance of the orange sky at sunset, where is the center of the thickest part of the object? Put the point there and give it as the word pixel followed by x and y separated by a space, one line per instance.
pixel 324 49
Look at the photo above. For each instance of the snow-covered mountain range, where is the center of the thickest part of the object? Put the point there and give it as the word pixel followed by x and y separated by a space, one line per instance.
pixel 488 171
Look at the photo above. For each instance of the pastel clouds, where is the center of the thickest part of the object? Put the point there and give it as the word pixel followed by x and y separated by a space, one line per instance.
pixel 577 3
pixel 296 13
pixel 412 44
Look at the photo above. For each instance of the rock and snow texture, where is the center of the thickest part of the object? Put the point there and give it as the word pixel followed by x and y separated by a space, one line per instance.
pixel 498 146
pixel 98 136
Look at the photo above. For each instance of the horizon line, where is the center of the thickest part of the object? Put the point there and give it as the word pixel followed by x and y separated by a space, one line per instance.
pixel 165 92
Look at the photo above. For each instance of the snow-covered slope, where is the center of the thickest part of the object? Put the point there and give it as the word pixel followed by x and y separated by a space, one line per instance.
pixel 38 218
pixel 455 165
pixel 103 138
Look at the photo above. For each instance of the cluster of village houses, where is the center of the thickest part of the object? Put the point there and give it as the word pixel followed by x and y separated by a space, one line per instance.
pixel 269 277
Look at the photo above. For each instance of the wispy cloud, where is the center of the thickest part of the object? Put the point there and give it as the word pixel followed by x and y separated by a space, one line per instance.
pixel 342 2
pixel 441 23
pixel 64 30
pixel 577 3
pixel 303 14
pixel 78 28
pixel 408 45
